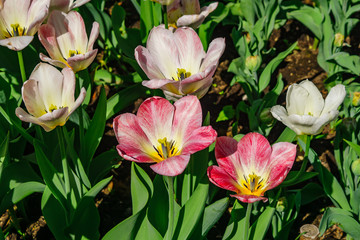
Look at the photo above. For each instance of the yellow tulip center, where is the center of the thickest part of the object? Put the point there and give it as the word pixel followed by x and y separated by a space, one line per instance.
pixel 53 108
pixel 252 185
pixel 73 53
pixel 15 31
pixel 165 149
pixel 181 74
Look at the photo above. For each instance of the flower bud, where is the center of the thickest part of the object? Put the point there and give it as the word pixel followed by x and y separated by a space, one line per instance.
pixel 355 167
pixel 356 99
pixel 266 116
pixel 252 62
pixel 282 204
pixel 339 39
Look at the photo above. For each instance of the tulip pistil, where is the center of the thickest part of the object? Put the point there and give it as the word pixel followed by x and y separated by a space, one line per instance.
pixel 253 185
pixel 182 74
pixel 15 32
pixel 166 149
pixel 73 53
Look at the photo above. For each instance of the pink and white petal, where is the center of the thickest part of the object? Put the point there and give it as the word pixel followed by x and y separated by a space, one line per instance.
pixel 53 62
pixel 133 145
pixel 37 13
pixel 51 120
pixel 16 43
pixel 157 83
pixel 200 139
pixel 220 178
pixel 187 118
pixel 198 81
pixel 314 102
pixel 281 161
pixel 208 9
pixel 25 117
pixel 16 11
pixel 171 96
pixel 81 61
pixel 227 156
pixel 78 3
pixel 254 151
pixel 191 51
pixel 62 5
pixel 334 99
pixel 93 36
pixel 1 4
pixel 68 88
pixel 78 101
pixel 191 20
pixel 47 38
pixel 155 116
pixel 249 198
pixel 162 47
pixel 148 63
pixel 76 27
pixel 32 99
pixel 215 51
pixel 171 166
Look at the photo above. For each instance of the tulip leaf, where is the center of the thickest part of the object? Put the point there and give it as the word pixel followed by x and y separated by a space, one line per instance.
pixel 141 188
pixel 213 213
pixel 102 164
pixel 294 178
pixel 311 192
pixel 227 113
pixel 95 131
pixel 265 77
pixel 4 146
pixel 234 229
pixel 311 17
pixel 260 227
pixel 287 135
pixel 191 212
pixel 343 218
pixel 124 98
pixel 353 146
pixel 147 231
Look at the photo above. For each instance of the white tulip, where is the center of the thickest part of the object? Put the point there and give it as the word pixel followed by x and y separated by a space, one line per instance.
pixel 306 111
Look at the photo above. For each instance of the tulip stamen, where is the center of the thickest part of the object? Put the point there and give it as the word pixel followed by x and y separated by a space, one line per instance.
pixel 16 30
pixel 73 52
pixel 181 74
pixel 253 184
pixel 166 149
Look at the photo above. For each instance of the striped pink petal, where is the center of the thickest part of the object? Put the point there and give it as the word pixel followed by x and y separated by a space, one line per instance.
pixel 172 166
pixel 219 177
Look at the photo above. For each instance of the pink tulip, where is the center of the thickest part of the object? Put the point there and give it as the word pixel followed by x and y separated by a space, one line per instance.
pixel 251 166
pixel 66 5
pixel 163 134
pixel 188 13
pixel 49 97
pixel 177 63
pixel 20 20
pixel 64 37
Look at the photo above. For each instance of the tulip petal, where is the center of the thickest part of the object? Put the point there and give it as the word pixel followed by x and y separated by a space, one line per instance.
pixel 82 61
pixel 197 82
pixel 37 12
pixel 171 166
pixel 249 198
pixel 295 97
pixel 51 120
pixel 32 99
pixel 68 88
pixel 254 151
pixel 155 116
pixel 219 177
pixel 334 98
pixel 78 3
pixel 25 117
pixel 280 114
pixel 93 36
pixel 215 51
pixel 314 102
pixel 227 156
pixel 133 144
pixel 16 43
pixel 47 38
pixel 148 64
pixel 200 139
pixel 53 62
pixel 76 27
pixel 281 161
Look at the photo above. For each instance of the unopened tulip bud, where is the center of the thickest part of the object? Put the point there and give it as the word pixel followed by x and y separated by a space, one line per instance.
pixel 266 116
pixel 252 62
pixel 355 167
pixel 281 204
pixel 356 99
pixel 339 39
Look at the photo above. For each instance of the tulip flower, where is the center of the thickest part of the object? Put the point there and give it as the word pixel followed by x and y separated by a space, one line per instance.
pixel 20 20
pixel 49 97
pixel 64 37
pixel 251 166
pixel 163 134
pixel 66 5
pixel 188 13
pixel 164 2
pixel 306 111
pixel 177 63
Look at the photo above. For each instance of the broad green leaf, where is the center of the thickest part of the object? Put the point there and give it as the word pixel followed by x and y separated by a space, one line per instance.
pixel 270 68
pixel 227 113
pixel 141 188
pixel 3 152
pixel 354 146
pixel 95 132
pixel 295 178
pixel 234 229
pixel 102 164
pixel 287 135
pixel 310 17
pixel 342 218
pixel 261 225
pixel 147 231
pixel 213 213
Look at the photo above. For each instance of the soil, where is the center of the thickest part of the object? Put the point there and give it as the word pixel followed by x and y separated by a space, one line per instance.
pixel 114 202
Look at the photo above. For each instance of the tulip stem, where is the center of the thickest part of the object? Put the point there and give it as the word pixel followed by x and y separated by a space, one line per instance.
pixel 63 159
pixel 170 188
pixel 22 67
pixel 247 221
pixel 81 118
pixel 165 17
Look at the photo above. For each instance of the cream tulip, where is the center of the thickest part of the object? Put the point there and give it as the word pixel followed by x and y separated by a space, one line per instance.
pixel 306 111
pixel 66 5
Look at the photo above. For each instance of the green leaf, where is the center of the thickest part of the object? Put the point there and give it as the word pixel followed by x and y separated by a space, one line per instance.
pixel 147 231
pixel 95 132
pixel 354 146
pixel 141 188
pixel 311 192
pixel 261 225
pixel 292 175
pixel 342 218
pixel 124 98
pixel 270 68
pixel 102 164
pixel 191 212
pixel 227 113
pixel 310 17
pixel 234 229
pixel 213 213
pixel 287 135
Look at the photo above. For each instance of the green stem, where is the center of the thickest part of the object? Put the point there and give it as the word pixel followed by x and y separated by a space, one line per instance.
pixel 22 66
pixel 81 119
pixel 170 188
pixel 39 133
pixel 247 221
pixel 63 159
pixel 165 17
